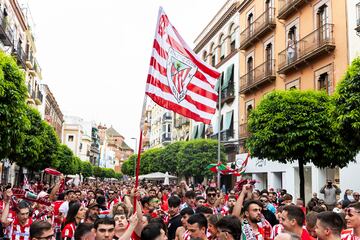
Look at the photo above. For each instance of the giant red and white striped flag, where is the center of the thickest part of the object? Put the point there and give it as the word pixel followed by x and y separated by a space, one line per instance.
pixel 178 80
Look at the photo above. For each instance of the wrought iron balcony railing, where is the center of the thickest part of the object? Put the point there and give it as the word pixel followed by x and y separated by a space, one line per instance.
pixel 6 32
pixel 318 42
pixel 288 7
pixel 228 94
pixel 259 75
pixel 262 25
pixel 227 134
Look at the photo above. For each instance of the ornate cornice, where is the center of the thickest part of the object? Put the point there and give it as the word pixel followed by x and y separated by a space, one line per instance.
pixel 230 8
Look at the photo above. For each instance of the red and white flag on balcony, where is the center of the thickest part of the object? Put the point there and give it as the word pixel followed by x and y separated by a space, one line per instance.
pixel 178 80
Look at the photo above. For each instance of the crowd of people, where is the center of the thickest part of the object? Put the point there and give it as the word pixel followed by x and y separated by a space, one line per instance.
pixel 101 210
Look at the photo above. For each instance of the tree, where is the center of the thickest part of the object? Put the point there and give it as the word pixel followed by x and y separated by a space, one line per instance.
pixel 151 161
pixel 29 153
pixel 66 159
pixel 13 117
pixel 128 166
pixel 347 102
pixel 98 172
pixel 86 169
pixel 169 158
pixel 296 125
pixel 195 155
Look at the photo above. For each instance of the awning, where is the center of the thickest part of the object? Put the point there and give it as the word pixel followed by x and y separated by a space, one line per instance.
pixel 228 77
pixel 194 132
pixel 201 130
pixel 221 78
pixel 228 120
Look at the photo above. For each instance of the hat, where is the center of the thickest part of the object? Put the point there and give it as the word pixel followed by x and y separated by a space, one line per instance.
pixel 92 205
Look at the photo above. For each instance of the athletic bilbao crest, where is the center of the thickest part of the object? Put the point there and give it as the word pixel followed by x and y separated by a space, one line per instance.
pixel 179 71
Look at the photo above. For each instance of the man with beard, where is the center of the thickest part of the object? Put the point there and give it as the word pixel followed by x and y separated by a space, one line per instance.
pixel 211 199
pixel 92 213
pixel 329 226
pixel 175 217
pixel 252 225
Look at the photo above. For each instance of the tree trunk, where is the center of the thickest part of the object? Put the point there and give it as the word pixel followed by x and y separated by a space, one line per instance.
pixel 302 179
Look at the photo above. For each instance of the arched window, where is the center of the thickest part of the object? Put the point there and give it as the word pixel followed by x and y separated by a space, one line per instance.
pixel 250 68
pixel 222 47
pixel 250 24
pixel 205 56
pixel 213 54
pixel 232 38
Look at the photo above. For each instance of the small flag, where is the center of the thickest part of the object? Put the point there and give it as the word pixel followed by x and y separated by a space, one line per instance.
pixel 178 80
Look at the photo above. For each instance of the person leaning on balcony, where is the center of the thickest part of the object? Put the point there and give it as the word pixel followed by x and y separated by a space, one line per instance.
pixel 290 49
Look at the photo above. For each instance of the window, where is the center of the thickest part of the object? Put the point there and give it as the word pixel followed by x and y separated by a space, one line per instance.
pixel 268 56
pixel 213 55
pixel 293 85
pixel 70 138
pixel 232 38
pixel 222 47
pixel 250 24
pixel 250 68
pixel 249 107
pixel 323 19
pixel 323 82
pixel 205 56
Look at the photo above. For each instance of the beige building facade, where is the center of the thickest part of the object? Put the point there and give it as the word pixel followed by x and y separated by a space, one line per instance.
pixel 287 44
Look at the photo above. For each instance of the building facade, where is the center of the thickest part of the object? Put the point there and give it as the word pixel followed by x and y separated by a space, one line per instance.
pixel 113 148
pixel 293 44
pixel 51 111
pixel 161 126
pixel 218 45
pixel 17 39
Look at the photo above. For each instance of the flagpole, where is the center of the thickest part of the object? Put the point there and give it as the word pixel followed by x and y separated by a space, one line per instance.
pixel 219 134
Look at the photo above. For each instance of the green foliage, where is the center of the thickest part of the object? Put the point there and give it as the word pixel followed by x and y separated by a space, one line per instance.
pixel 195 155
pixel 76 165
pixel 66 159
pixel 128 167
pixel 86 169
pixel 151 161
pixel 179 158
pixel 347 102
pixel 169 159
pixel 13 119
pixel 98 172
pixel 39 149
pixel 296 125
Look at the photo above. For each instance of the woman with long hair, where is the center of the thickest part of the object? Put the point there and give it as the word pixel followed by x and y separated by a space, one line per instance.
pixel 76 215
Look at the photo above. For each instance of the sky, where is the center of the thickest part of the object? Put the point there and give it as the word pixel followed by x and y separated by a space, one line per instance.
pixel 95 55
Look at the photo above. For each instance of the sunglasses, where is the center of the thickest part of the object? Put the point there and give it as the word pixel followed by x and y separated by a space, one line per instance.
pixel 351 211
pixel 211 195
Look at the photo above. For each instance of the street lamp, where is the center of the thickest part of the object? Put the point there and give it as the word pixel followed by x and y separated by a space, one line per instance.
pixel 135 149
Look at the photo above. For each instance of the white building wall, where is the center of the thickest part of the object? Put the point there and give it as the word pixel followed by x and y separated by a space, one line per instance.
pixel 353 38
pixel 348 175
pixel 286 176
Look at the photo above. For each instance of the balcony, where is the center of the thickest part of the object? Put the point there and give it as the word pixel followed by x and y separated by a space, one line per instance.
pixel 39 98
pixel 6 33
pixel 243 131
pixel 258 76
pixel 261 26
pixel 317 43
pixel 228 94
pixel 20 56
pixel 227 134
pixel 30 60
pixel 288 7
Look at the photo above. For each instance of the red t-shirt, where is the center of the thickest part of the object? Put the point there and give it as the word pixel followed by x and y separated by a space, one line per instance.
pixel 68 231
pixel 305 235
pixel 19 232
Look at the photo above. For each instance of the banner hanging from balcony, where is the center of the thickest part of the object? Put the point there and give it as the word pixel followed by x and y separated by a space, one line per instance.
pixel 178 80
